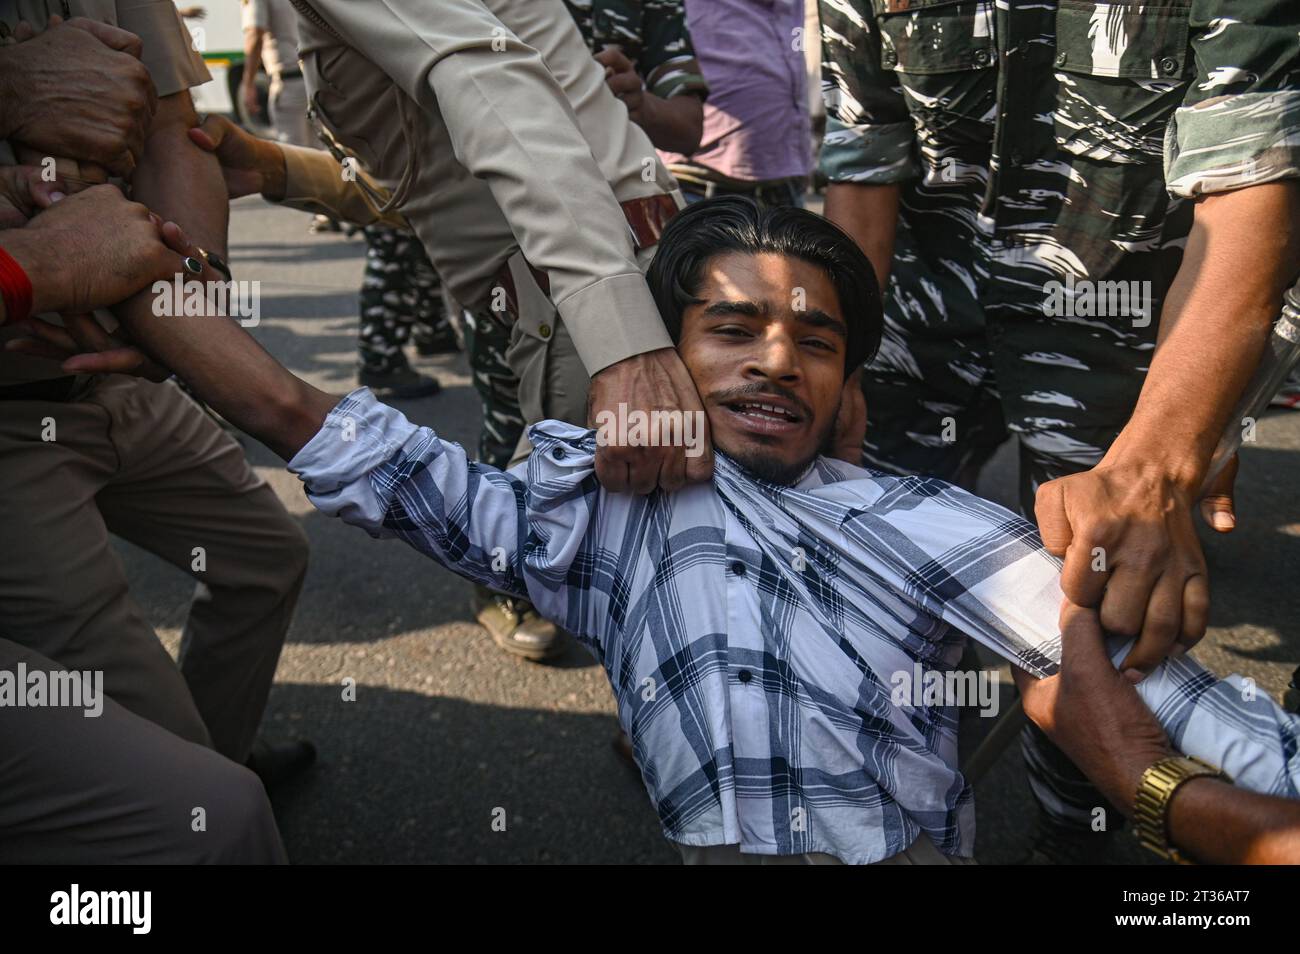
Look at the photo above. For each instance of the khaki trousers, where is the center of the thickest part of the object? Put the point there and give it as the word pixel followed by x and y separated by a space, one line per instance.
pixel 142 461
pixel 553 383
pixel 117 789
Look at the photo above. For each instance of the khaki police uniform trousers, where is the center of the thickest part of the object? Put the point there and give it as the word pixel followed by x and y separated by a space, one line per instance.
pixel 142 461
pixel 118 789
pixel 553 383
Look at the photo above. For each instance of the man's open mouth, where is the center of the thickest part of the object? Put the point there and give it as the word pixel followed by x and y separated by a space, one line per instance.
pixel 766 415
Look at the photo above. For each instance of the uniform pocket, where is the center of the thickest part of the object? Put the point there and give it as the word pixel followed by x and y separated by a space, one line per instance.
pixel 942 53
pixel 926 37
pixel 1121 69
pixel 357 103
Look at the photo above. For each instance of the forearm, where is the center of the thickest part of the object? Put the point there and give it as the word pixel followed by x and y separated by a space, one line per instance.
pixel 252 57
pixel 1242 254
pixel 674 124
pixel 223 364
pixel 179 181
pixel 869 214
pixel 230 371
pixel 1215 823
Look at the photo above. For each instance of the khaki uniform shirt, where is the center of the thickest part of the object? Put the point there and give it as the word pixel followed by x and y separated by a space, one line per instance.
pixel 492 124
pixel 173 63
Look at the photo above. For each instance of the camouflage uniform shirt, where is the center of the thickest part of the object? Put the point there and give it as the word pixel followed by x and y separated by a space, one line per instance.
pixel 1039 143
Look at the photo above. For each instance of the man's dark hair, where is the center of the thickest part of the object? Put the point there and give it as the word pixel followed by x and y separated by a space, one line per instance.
pixel 737 224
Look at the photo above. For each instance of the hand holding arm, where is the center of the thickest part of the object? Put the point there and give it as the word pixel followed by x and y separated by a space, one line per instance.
pixel 79 91
pixel 1096 716
pixel 90 250
pixel 1125 527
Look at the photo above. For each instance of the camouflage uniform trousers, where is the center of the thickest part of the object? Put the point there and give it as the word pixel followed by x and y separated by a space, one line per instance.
pixel 1035 143
pixel 487 339
pixel 401 300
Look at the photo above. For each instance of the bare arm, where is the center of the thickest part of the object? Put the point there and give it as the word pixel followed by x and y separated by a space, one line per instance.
pixel 1098 719
pixel 674 124
pixel 869 213
pixel 178 180
pixel 1136 504
pixel 253 37
pixel 1218 824
pixel 229 370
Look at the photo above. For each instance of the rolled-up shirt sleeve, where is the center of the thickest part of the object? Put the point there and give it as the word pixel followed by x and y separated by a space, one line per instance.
pixel 167 47
pixel 869 133
pixel 516 531
pixel 1239 123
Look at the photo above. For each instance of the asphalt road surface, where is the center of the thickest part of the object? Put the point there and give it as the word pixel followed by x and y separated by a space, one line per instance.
pixel 447 734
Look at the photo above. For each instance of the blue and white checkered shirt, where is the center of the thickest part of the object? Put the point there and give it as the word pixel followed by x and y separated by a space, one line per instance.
pixel 752 632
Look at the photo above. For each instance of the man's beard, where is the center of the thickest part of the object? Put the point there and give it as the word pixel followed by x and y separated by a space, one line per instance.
pixel 775 471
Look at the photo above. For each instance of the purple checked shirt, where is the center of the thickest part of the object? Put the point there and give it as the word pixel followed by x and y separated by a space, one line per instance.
pixel 756 124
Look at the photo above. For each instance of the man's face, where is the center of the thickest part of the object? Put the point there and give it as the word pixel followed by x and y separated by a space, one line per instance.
pixel 766 348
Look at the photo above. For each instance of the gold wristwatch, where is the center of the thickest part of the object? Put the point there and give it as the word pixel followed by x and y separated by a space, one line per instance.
pixel 1156 791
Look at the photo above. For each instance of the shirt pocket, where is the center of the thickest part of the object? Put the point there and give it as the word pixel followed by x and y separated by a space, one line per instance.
pixel 942 53
pixel 1121 69
pixel 359 106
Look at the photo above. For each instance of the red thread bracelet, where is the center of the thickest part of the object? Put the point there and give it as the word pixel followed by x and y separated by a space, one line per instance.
pixel 15 289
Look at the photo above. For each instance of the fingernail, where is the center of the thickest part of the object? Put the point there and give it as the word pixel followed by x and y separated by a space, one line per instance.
pixel 57 196
pixel 193 265
pixel 1223 520
pixel 1133 675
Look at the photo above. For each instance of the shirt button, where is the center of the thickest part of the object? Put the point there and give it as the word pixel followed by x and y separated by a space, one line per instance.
pixel 738 568
pixel 1061 59
pixel 1169 66
pixel 558 453
pixel 983 58
pixel 745 675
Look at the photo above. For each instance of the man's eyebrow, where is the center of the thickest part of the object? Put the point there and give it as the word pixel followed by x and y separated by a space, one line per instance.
pixel 820 319
pixel 739 307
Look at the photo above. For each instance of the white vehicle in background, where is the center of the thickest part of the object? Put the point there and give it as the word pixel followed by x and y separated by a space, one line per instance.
pixel 218 34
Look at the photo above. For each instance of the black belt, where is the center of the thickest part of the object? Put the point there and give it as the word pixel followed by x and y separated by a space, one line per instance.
pixel 289 74
pixel 51 389
pixel 769 193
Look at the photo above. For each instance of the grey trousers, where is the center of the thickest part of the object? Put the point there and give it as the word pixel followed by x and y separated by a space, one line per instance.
pixel 117 789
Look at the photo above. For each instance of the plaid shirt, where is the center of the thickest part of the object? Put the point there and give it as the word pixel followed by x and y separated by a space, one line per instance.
pixel 751 631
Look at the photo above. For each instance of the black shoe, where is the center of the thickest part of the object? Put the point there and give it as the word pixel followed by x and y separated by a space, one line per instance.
pixel 276 763
pixel 399 383
pixel 516 626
